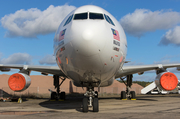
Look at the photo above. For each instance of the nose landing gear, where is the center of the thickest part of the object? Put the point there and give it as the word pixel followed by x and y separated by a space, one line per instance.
pixel 90 100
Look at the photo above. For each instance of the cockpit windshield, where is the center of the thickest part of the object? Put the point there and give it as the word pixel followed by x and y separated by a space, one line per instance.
pixel 81 16
pixel 96 16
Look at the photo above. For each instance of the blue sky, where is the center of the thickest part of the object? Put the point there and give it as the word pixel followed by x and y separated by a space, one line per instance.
pixel 27 29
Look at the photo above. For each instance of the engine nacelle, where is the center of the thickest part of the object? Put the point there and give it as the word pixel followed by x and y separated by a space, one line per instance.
pixel 166 81
pixel 19 82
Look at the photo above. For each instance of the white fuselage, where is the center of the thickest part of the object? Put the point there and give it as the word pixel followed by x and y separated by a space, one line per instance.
pixel 89 48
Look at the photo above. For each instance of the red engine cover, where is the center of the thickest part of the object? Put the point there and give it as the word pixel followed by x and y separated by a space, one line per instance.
pixel 168 81
pixel 19 82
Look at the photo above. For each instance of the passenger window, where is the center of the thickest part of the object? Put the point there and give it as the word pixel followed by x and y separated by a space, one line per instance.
pixel 108 19
pixel 80 16
pixel 68 20
pixel 95 16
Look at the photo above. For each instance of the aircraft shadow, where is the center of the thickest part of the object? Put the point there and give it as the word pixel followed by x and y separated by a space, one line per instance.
pixel 75 102
pixel 69 103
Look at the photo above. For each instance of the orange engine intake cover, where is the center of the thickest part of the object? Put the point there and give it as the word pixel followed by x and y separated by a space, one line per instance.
pixel 17 82
pixel 168 81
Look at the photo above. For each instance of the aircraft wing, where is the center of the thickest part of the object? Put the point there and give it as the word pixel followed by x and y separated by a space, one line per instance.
pixel 55 70
pixel 127 70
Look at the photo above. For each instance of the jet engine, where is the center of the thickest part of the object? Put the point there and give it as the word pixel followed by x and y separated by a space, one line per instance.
pixel 19 82
pixel 166 81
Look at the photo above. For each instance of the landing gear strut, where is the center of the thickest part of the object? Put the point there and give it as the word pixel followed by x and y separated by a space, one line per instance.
pixel 128 94
pixel 57 95
pixel 90 100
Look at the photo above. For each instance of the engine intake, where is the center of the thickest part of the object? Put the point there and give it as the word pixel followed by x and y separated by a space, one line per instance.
pixel 166 81
pixel 19 82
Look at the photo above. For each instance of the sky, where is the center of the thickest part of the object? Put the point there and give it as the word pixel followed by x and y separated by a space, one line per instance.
pixel 27 29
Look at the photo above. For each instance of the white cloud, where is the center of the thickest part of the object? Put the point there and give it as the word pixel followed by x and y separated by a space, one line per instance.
pixel 165 61
pixel 17 58
pixel 171 37
pixel 33 22
pixel 144 78
pixel 170 57
pixel 48 59
pixel 142 20
pixel 173 70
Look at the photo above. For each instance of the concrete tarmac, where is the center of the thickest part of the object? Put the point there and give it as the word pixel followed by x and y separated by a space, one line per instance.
pixel 111 107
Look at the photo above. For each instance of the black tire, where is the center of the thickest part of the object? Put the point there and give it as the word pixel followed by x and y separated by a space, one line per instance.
pixel 133 94
pixel 123 95
pixel 63 95
pixel 95 105
pixel 96 96
pixel 53 95
pixel 85 105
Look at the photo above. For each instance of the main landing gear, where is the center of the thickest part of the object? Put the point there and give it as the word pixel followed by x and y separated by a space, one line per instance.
pixel 57 95
pixel 90 100
pixel 128 94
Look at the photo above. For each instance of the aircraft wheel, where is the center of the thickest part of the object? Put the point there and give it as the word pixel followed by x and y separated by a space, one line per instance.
pixel 133 95
pixel 95 105
pixel 53 95
pixel 96 96
pixel 63 95
pixel 123 95
pixel 85 104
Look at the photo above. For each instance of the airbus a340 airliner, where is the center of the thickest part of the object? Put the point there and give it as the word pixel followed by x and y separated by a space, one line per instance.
pixel 90 48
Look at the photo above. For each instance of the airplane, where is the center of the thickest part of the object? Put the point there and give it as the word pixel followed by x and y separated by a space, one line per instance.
pixel 90 47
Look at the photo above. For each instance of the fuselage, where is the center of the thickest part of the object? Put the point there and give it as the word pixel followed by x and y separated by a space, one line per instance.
pixel 90 46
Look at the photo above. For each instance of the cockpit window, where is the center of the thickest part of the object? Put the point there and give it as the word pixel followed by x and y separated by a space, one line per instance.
pixel 68 20
pixel 108 19
pixel 81 16
pixel 95 16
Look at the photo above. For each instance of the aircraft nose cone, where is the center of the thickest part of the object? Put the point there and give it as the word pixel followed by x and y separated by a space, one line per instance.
pixel 87 35
pixel 88 39
pixel 86 44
